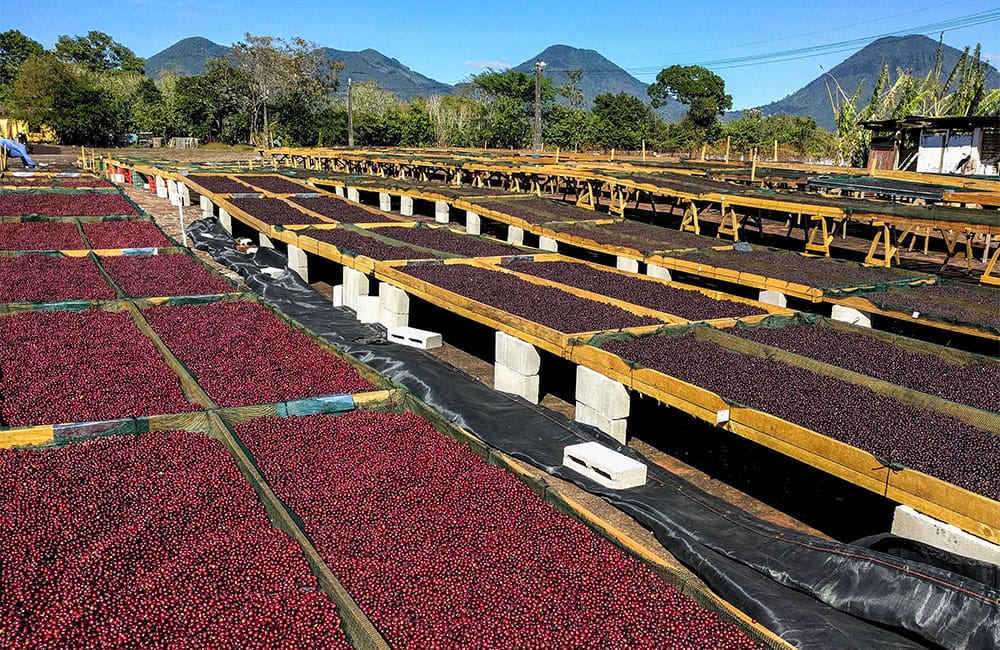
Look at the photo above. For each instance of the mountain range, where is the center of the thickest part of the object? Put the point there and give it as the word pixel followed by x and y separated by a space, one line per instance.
pixel 600 75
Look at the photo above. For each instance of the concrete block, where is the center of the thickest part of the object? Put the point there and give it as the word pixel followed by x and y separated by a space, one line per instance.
pixel 515 235
pixel 385 202
pixel 616 428
pixel 517 355
pixel 353 194
pixel 390 319
pixel 393 299
pixel 851 315
pixel 442 212
pixel 226 221
pixel 172 193
pixel 605 466
pixel 207 207
pixel 909 523
pixel 473 224
pixel 184 194
pixel 338 295
pixel 298 261
pixel 265 241
pixel 368 311
pixel 548 244
pixel 627 264
pixel 773 298
pixel 654 271
pixel 161 187
pixel 414 338
pixel 406 206
pixel 338 190
pixel 507 380
pixel 606 396
pixel 356 284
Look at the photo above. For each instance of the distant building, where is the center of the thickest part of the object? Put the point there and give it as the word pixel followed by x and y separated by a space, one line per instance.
pixel 936 145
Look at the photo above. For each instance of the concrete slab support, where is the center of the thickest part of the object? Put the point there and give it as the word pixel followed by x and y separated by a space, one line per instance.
pixel 298 262
pixel 627 264
pixel 266 241
pixel 184 194
pixel 393 306
pixel 473 224
pixel 406 206
pixel 226 221
pixel 368 309
pixel 548 244
pixel 773 298
pixel 338 190
pixel 515 235
pixel 385 202
pixel 517 367
pixel 909 523
pixel 207 207
pixel 442 212
pixel 353 194
pixel 654 271
pixel 851 315
pixel 601 402
pixel 161 187
pixel 356 284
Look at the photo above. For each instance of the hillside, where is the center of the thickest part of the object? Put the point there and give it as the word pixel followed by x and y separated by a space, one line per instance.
pixel 186 57
pixel 600 75
pixel 390 73
pixel 916 53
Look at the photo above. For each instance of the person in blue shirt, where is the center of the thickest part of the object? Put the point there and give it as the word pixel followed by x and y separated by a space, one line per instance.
pixel 17 150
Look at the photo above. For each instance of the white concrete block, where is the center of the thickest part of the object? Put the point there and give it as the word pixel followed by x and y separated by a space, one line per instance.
pixel 909 523
pixel 389 319
pixel 507 380
pixel 226 221
pixel 338 190
pixel 442 212
pixel 184 194
pixel 161 187
pixel 605 466
pixel 627 264
pixel 616 428
pixel 773 298
pixel 473 224
pixel 356 285
pixel 606 396
pixel 265 241
pixel 207 207
pixel 368 311
pixel 385 202
pixel 338 295
pixel 414 337
pixel 393 299
pixel 548 244
pixel 172 193
pixel 353 194
pixel 515 235
pixel 851 315
pixel 406 206
pixel 298 261
pixel 655 271
pixel 516 354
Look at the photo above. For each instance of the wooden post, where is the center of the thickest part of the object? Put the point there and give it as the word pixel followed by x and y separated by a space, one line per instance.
pixel 557 155
pixel 871 164
pixel 728 142
pixel 753 165
pixel 83 157
pixel 612 154
pixel 644 150
pixel 703 152
pixel 775 151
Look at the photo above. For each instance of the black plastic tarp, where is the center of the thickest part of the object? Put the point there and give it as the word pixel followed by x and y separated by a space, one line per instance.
pixel 813 593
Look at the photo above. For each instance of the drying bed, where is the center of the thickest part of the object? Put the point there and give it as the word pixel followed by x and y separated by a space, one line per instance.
pixel 65 204
pixel 241 353
pixel 274 184
pixel 867 354
pixel 130 542
pixel 636 235
pixel 81 366
pixel 36 277
pixel 40 236
pixel 419 530
pixel 956 303
pixel 362 244
pixel 153 276
pixel 339 210
pixel 635 289
pixel 447 241
pixel 545 305
pixel 538 210
pixel 219 184
pixel 273 211
pixel 124 234
pixel 892 431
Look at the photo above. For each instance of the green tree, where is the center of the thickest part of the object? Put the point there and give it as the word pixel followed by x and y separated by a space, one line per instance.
pixel 509 105
pixel 568 128
pixel 418 130
pixel 15 47
pixel 621 121
pixel 703 91
pixel 570 90
pixel 213 106
pixel 97 52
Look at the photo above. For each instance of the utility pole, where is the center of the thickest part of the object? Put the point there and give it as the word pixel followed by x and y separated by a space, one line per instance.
pixel 350 116
pixel 539 64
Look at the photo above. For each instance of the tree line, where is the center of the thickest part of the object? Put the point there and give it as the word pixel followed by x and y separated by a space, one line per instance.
pixel 272 90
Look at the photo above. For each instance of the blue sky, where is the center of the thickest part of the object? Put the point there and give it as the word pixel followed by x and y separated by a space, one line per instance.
pixel 449 41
